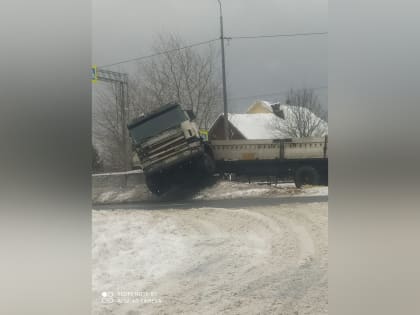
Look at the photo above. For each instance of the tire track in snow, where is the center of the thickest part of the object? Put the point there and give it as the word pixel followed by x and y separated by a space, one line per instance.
pixel 240 261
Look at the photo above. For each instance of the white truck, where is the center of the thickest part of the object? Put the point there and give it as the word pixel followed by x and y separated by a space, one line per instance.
pixel 171 151
pixel 169 147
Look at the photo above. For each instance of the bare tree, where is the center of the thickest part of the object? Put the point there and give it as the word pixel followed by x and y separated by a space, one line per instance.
pixel 97 165
pixel 107 127
pixel 303 115
pixel 184 76
pixel 179 74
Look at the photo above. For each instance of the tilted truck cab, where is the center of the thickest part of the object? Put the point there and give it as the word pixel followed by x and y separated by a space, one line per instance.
pixel 168 144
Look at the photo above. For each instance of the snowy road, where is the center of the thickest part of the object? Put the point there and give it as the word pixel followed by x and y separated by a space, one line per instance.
pixel 254 258
pixel 223 203
pixel 218 190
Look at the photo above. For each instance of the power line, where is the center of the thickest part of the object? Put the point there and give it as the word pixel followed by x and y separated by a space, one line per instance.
pixel 160 53
pixel 210 41
pixel 277 35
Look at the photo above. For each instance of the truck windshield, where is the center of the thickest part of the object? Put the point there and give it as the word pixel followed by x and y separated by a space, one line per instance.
pixel 157 124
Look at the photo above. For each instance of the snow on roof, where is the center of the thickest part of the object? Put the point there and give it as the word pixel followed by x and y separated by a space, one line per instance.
pixel 288 114
pixel 256 126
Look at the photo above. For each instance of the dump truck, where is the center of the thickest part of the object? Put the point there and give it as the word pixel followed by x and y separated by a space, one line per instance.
pixel 169 147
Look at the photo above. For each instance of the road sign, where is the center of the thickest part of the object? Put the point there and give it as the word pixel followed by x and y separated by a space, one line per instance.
pixel 204 134
pixel 94 74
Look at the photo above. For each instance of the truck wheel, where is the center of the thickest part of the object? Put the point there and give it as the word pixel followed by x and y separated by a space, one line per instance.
pixel 306 175
pixel 155 184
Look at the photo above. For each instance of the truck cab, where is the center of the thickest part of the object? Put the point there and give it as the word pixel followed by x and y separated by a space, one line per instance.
pixel 165 141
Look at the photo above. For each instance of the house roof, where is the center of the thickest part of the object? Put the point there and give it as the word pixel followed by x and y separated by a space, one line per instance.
pixel 256 126
pixel 289 115
pixel 266 125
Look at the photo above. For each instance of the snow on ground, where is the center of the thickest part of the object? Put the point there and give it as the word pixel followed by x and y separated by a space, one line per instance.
pixel 315 191
pixel 229 190
pixel 119 194
pixel 264 260
pixel 220 190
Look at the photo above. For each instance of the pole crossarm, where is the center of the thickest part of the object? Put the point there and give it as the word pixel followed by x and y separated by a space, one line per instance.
pixel 112 76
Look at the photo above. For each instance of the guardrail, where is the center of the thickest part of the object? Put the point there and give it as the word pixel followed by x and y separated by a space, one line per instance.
pixel 118 179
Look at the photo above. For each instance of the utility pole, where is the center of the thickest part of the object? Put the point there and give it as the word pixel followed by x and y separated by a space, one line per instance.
pixel 122 80
pixel 225 104
pixel 123 108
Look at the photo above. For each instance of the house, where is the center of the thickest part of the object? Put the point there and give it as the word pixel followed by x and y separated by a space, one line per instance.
pixel 246 126
pixel 263 107
pixel 262 120
pixel 260 107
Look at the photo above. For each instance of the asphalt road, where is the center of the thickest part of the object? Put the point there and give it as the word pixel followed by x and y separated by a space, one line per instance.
pixel 225 203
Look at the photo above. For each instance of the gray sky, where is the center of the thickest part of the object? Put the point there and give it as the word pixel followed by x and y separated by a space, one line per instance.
pixel 126 29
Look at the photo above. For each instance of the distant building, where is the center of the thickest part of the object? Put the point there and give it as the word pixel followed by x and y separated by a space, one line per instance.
pixel 260 107
pixel 261 121
pixel 263 107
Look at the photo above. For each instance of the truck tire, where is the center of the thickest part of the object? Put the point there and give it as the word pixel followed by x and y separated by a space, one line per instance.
pixel 306 175
pixel 156 184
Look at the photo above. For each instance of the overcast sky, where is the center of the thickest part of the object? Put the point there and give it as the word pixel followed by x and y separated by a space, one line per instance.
pixel 126 29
